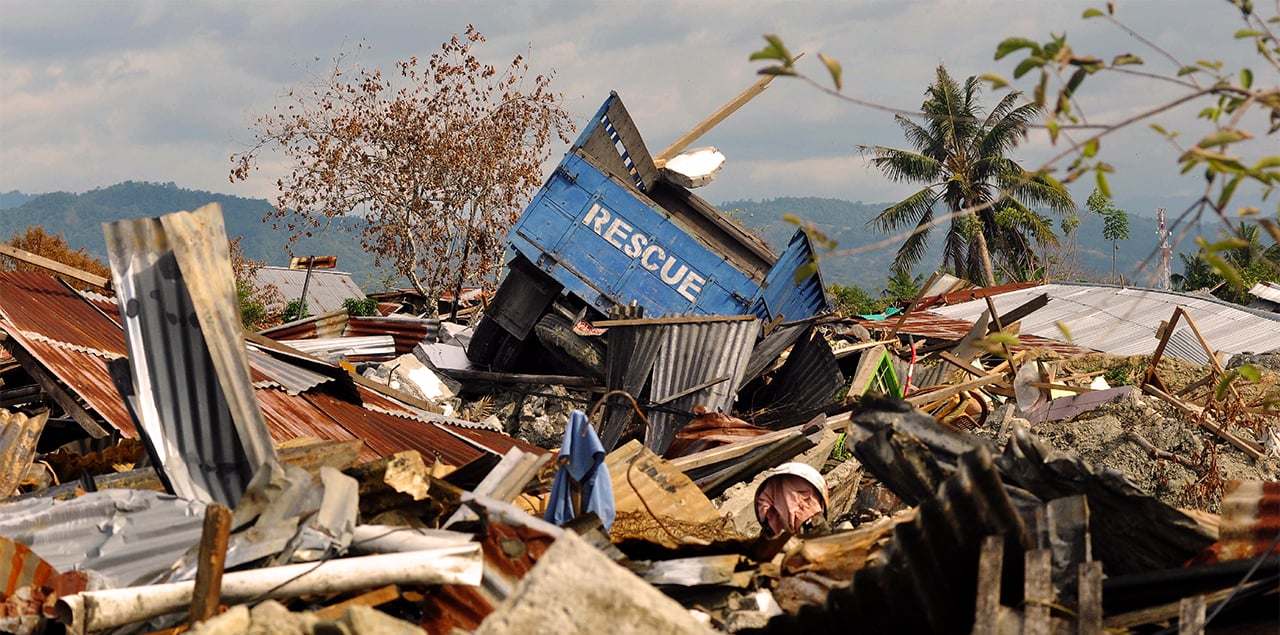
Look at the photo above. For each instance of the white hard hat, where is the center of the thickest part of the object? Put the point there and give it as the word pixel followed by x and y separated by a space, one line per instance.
pixel 802 470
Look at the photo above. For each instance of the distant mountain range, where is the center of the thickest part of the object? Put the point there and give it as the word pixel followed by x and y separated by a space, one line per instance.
pixel 79 218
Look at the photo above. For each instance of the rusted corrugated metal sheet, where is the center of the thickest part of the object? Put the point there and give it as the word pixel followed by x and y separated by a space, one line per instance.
pixel 289 417
pixel 324 325
pixel 1250 519
pixel 19 435
pixel 37 303
pixel 978 293
pixel 509 553
pixel 85 374
pixel 406 331
pixel 693 354
pixel 388 434
pixel 476 434
pixel 929 324
pixel 22 566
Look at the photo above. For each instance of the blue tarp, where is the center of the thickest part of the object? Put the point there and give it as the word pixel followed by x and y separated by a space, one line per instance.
pixel 584 465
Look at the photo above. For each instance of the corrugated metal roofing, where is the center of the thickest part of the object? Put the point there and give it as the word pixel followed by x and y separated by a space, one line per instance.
pixel 325 292
pixel 388 434
pixel 631 353
pixel 37 303
pixel 190 371
pixel 931 324
pixel 127 535
pixel 1267 291
pixel 810 377
pixel 406 331
pixel 287 416
pixel 331 324
pixel 693 354
pixel 290 417
pixel 85 374
pixel 292 378
pixel 1123 321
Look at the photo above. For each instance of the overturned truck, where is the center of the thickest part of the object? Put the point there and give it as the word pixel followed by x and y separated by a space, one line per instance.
pixel 610 235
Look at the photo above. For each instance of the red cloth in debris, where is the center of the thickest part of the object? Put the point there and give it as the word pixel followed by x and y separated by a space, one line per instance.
pixel 786 501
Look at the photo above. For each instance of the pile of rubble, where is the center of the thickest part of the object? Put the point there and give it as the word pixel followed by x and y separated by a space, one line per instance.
pixel 848 471
pixel 747 461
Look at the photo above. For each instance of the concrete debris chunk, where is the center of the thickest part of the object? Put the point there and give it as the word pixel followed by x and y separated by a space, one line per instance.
pixel 575 589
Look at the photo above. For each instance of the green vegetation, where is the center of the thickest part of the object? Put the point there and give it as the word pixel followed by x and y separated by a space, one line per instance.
pixel 357 307
pixel 295 309
pixel 960 155
pixel 1230 267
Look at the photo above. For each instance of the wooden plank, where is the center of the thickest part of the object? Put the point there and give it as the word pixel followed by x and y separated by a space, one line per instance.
pixel 376 597
pixel 990 562
pixel 1053 386
pixel 920 399
pixel 1037 592
pixel 948 357
pixel 212 560
pixel 1089 591
pixel 731 450
pixel 54 266
pixel 1191 616
pixel 712 120
pixel 1254 450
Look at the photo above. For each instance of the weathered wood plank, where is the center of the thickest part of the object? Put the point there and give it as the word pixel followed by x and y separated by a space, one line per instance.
pixel 212 560
pixel 990 562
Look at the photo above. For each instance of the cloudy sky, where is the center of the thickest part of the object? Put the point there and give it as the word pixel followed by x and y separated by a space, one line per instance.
pixel 94 93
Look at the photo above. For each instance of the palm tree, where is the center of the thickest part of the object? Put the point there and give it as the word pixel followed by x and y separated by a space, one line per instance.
pixel 960 157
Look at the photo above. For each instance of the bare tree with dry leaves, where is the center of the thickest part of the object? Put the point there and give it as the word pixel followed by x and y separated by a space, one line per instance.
pixel 434 163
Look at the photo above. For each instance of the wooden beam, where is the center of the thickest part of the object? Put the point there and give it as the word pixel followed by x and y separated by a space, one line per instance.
pixel 1089 617
pixel 1254 450
pixel 376 597
pixel 23 255
pixel 207 594
pixel 1037 592
pixel 712 120
pixel 990 562
pixel 53 388
pixel 920 399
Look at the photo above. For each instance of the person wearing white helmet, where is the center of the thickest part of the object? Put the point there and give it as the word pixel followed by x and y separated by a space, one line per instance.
pixel 792 498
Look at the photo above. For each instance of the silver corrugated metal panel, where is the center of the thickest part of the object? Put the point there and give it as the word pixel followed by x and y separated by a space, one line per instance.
pixel 1266 291
pixel 693 354
pixel 350 346
pixel 1184 345
pixel 768 349
pixel 126 535
pixel 1123 321
pixel 632 351
pixel 292 378
pixel 810 377
pixel 190 373
pixel 326 291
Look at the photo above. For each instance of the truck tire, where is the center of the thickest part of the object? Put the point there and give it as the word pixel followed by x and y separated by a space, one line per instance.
pixel 586 355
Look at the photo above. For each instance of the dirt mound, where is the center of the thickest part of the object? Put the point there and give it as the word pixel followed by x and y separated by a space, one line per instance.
pixel 1192 465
